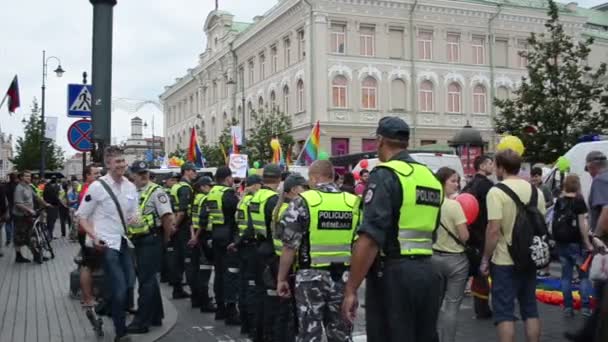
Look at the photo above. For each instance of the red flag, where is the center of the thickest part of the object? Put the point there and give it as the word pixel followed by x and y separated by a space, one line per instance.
pixel 235 146
pixel 13 96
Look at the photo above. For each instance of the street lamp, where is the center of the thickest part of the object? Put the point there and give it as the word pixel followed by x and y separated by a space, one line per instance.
pixel 59 72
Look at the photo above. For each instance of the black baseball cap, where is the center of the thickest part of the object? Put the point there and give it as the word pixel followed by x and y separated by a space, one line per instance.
pixel 292 181
pixel 188 166
pixel 139 166
pixel 393 127
pixel 205 180
pixel 253 180
pixel 272 171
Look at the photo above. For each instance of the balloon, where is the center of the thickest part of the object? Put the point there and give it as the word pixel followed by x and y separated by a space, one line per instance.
pixel 364 164
pixel 511 142
pixel 274 144
pixel 469 205
pixel 323 155
pixel 256 164
pixel 357 175
pixel 562 164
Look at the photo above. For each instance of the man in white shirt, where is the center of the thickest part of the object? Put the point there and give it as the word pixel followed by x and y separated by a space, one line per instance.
pixel 106 231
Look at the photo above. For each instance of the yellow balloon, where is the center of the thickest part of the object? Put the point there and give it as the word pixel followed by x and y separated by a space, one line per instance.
pixel 274 144
pixel 511 142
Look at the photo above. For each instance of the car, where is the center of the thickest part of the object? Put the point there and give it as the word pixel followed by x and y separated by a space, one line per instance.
pixel 433 161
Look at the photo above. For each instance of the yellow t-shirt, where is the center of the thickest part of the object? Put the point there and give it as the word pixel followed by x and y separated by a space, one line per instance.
pixel 452 215
pixel 502 208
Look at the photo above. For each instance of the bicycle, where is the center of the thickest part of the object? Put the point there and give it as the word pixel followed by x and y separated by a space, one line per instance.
pixel 40 239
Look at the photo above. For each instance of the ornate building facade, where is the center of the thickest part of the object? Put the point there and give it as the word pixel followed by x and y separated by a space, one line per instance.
pixel 347 63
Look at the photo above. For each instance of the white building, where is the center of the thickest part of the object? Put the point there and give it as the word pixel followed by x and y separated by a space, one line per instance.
pixel 137 146
pixel 6 154
pixel 435 63
pixel 73 165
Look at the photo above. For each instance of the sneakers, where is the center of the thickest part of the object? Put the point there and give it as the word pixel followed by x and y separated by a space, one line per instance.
pixel 568 312
pixel 21 260
pixel 586 312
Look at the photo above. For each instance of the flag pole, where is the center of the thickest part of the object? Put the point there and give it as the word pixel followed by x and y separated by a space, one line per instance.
pixel 3 99
pixel 306 143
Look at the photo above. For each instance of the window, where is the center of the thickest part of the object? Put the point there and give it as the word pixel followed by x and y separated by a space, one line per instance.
pixel 286 99
pixel 427 142
pixel 260 104
pixel 398 94
pixel 502 93
pixel 522 47
pixel 367 40
pixel 262 66
pixel 287 47
pixel 301 45
pixel 426 97
pixel 369 89
pixel 300 96
pixel 425 45
pixel 454 98
pixel 339 146
pixel 479 99
pixel 501 52
pixel 251 71
pixel 453 47
pixel 241 80
pixel 396 43
pixel 274 59
pixel 273 101
pixel 339 88
pixel 369 145
pixel 214 94
pixel 338 38
pixel 478 50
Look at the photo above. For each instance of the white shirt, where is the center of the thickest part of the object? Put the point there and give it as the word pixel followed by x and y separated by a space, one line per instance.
pixel 99 208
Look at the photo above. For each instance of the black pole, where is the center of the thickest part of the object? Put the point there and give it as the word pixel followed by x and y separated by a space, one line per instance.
pixel 102 74
pixel 84 154
pixel 42 112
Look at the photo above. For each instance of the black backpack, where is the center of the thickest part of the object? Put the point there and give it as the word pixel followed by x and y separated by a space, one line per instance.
pixel 565 222
pixel 529 247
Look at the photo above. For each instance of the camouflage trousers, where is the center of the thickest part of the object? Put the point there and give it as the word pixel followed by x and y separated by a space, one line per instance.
pixel 318 301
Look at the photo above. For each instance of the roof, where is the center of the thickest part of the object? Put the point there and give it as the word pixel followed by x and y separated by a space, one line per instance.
pixel 239 27
pixel 594 16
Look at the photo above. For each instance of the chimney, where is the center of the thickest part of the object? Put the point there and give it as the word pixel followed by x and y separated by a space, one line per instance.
pixel 571 6
pixel 136 128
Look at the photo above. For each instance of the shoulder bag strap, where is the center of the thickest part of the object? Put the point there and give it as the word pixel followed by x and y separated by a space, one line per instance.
pixel 512 194
pixel 115 200
pixel 453 236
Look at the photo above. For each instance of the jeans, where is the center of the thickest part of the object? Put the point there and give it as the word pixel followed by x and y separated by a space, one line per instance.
pixel 454 272
pixel 119 273
pixel 571 255
pixel 8 229
pixel 149 304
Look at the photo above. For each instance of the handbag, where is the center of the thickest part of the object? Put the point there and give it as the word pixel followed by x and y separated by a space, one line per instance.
pixel 472 253
pixel 599 267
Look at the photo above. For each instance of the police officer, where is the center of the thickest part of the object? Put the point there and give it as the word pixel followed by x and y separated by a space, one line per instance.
pixel 164 270
pixel 156 222
pixel 260 210
pixel 220 209
pixel 245 244
pixel 201 263
pixel 177 251
pixel 318 226
pixel 394 246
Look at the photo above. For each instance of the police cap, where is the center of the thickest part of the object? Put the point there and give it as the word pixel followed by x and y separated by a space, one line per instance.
pixel 272 171
pixel 175 175
pixel 188 166
pixel 205 180
pixel 139 166
pixel 392 127
pixel 253 180
pixel 292 181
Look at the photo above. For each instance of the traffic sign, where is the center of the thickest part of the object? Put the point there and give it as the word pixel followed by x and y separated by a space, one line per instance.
pixel 80 99
pixel 80 134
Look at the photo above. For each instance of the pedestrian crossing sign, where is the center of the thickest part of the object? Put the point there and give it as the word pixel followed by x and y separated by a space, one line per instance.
pixel 80 100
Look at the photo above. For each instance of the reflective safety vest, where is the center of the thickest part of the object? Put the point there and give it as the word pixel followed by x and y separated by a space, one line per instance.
pixel 276 241
pixel 257 210
pixel 333 219
pixel 148 221
pixel 214 204
pixel 242 215
pixel 419 212
pixel 175 198
pixel 197 207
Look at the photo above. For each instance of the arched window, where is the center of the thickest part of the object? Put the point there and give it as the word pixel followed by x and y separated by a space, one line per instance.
pixel 454 98
pixel 425 98
pixel 502 93
pixel 260 104
pixel 369 93
pixel 286 99
pixel 273 101
pixel 300 96
pixel 213 129
pixel 398 94
pixel 249 113
pixel 479 99
pixel 214 95
pixel 225 117
pixel 339 88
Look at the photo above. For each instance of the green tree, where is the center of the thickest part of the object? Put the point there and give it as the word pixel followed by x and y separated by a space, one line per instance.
pixel 27 149
pixel 179 153
pixel 265 127
pixel 560 99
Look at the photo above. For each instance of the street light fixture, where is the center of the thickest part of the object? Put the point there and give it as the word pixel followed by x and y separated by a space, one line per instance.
pixel 59 72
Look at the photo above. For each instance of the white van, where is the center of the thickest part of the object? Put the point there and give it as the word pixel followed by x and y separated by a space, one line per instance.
pixel 433 161
pixel 576 155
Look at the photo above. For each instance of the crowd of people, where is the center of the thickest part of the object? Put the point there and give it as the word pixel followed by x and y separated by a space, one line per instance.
pixel 289 254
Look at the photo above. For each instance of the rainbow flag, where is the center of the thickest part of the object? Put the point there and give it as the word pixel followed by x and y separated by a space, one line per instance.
pixel 235 146
pixel 195 154
pixel 311 149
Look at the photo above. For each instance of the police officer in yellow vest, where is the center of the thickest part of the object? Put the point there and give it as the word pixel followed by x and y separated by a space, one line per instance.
pixel 201 265
pixel 394 244
pixel 156 224
pixel 318 226
pixel 219 210
pixel 245 244
pixel 164 269
pixel 177 250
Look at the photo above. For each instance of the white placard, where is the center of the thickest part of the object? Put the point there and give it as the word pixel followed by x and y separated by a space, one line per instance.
pixel 239 164
pixel 50 131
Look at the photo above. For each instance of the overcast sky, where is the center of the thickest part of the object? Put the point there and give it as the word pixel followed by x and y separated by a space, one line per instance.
pixel 155 41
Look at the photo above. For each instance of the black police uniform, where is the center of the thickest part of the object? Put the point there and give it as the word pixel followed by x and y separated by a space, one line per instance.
pixel 177 249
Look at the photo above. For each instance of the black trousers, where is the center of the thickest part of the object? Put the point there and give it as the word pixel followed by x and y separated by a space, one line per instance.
pixel 403 304
pixel 226 281
pixel 52 214
pixel 64 218
pixel 176 255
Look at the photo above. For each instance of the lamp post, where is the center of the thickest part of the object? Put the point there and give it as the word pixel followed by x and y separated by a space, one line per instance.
pixel 59 72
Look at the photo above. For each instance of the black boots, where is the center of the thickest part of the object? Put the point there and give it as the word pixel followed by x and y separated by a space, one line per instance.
pixel 20 259
pixel 207 305
pixel 220 312
pixel 232 315
pixel 179 293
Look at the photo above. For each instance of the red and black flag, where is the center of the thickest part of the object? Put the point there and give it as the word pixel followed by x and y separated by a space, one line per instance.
pixel 13 96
